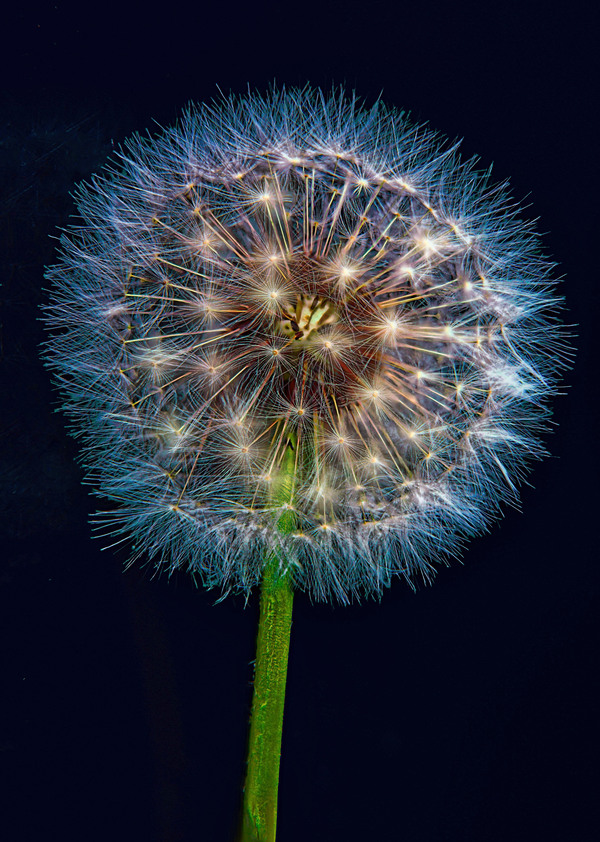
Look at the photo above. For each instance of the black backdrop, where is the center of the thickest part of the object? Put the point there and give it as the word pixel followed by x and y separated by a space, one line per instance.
pixel 463 712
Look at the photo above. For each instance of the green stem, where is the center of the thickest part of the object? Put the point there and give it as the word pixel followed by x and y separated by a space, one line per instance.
pixel 259 810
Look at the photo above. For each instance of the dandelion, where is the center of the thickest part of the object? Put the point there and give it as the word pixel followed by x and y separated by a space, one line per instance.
pixel 303 344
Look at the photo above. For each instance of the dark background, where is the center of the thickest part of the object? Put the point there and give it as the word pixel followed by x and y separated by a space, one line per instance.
pixel 463 712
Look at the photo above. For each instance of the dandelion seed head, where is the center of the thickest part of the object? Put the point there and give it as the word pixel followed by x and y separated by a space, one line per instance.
pixel 296 271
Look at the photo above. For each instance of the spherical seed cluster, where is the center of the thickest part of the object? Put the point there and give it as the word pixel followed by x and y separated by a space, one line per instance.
pixel 292 274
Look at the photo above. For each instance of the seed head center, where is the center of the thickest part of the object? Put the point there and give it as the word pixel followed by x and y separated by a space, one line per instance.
pixel 311 313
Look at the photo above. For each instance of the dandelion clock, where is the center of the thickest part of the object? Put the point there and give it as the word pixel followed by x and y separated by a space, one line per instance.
pixel 305 347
